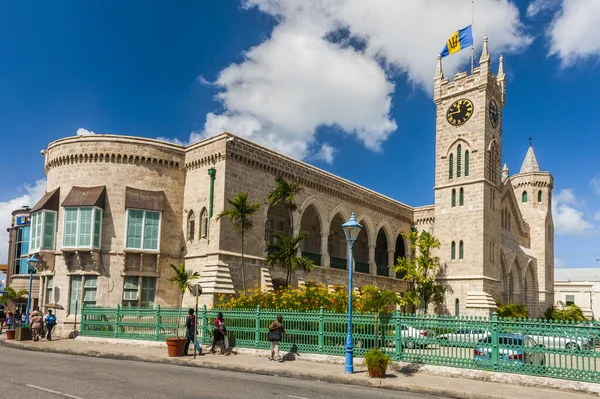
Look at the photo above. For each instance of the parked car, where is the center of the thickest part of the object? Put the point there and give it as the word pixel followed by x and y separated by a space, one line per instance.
pixel 567 340
pixel 463 335
pixel 413 337
pixel 514 349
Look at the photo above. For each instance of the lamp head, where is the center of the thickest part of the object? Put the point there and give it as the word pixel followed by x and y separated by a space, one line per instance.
pixel 32 262
pixel 351 229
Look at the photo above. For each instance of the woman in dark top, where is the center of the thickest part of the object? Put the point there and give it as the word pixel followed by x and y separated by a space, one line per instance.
pixel 219 334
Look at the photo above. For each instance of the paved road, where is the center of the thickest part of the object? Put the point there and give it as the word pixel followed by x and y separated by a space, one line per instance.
pixel 25 374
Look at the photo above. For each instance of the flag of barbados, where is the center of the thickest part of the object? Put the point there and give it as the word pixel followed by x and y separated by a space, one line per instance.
pixel 459 40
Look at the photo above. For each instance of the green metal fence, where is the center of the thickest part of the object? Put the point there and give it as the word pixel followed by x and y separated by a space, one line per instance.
pixel 536 347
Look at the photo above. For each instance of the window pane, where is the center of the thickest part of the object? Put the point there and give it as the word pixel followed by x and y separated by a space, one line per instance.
pixel 134 229
pixel 85 227
pixel 151 230
pixel 49 285
pixel 130 291
pixel 97 227
pixel 131 283
pixel 148 291
pixel 70 228
pixel 49 223
pixel 75 294
pixel 91 282
pixel 89 290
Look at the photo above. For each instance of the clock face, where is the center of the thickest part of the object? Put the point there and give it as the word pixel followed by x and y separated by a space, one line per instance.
pixel 493 113
pixel 459 112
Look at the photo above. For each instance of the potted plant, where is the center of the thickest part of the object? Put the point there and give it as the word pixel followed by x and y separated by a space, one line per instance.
pixel 181 279
pixel 377 362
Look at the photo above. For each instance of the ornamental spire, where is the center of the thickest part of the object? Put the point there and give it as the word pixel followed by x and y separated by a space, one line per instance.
pixel 439 74
pixel 530 163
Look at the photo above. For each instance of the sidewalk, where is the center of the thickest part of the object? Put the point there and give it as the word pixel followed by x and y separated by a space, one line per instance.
pixel 327 368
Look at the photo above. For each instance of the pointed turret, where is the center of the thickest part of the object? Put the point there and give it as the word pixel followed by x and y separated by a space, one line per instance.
pixel 439 74
pixel 485 56
pixel 504 173
pixel 530 164
pixel 501 75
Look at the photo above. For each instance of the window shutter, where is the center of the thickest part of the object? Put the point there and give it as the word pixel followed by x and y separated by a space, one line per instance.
pixel 458 156
pixel 70 233
pixel 467 163
pixel 49 229
pixel 84 238
pixel 451 166
pixel 134 229
pixel 453 254
pixel 453 198
pixel 461 199
pixel 461 251
pixel 97 227
pixel 151 230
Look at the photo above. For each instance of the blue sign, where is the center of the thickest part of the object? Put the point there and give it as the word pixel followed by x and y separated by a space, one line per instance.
pixel 22 220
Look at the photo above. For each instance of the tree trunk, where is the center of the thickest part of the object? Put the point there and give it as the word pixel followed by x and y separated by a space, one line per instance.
pixel 243 269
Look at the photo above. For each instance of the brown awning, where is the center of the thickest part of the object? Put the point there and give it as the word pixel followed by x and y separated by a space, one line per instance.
pixel 49 201
pixel 85 196
pixel 143 199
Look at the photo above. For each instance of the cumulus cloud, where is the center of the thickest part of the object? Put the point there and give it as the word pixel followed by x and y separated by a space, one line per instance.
pixel 30 195
pixel 326 153
pixel 331 63
pixel 567 219
pixel 539 6
pixel 84 132
pixel 575 30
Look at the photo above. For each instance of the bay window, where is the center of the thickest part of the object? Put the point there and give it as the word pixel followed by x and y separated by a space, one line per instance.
pixel 43 228
pixel 143 230
pixel 82 227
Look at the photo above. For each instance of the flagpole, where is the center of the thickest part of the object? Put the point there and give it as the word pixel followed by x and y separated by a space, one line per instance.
pixel 473 33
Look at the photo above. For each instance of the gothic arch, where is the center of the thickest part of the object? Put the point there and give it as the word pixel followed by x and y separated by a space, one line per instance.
pixel 367 224
pixel 316 203
pixel 385 225
pixel 515 283
pixel 469 146
pixel 530 286
pixel 342 210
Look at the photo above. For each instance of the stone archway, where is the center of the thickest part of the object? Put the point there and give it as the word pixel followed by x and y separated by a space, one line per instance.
pixel 504 291
pixel 399 251
pixel 278 221
pixel 336 243
pixel 361 248
pixel 515 289
pixel 530 288
pixel 381 254
pixel 310 224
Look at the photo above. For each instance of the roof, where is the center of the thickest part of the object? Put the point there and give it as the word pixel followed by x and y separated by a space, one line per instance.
pixel 143 199
pixel 530 163
pixel 49 201
pixel 578 274
pixel 85 196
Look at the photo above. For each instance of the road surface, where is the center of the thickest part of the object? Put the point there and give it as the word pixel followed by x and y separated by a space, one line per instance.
pixel 36 375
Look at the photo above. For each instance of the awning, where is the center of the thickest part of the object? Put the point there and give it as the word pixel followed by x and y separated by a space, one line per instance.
pixel 85 196
pixel 143 199
pixel 49 201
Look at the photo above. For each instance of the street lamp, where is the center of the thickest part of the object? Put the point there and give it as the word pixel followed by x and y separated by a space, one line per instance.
pixel 351 229
pixel 32 267
pixel 196 291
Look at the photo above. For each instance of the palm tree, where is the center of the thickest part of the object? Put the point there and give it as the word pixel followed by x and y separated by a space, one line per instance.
pixel 240 215
pixel 181 279
pixel 284 192
pixel 284 253
pixel 12 295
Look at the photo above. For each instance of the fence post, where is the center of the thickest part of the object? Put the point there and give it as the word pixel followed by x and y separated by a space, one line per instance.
pixel 203 338
pixel 398 335
pixel 321 330
pixel 495 340
pixel 83 320
pixel 158 322
pixel 257 328
pixel 118 315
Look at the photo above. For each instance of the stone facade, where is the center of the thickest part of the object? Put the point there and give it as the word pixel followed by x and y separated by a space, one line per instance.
pixel 503 246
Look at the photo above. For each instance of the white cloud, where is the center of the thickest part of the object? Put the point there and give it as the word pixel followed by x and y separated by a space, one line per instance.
pixel 539 6
pixel 558 263
pixel 326 153
pixel 84 132
pixel 575 30
pixel 595 184
pixel 172 140
pixel 299 80
pixel 567 219
pixel 31 195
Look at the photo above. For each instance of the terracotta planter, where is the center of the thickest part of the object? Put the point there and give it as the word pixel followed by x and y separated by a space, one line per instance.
pixel 175 346
pixel 10 334
pixel 377 372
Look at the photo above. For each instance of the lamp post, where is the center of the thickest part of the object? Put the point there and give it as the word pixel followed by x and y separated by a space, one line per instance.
pixel 32 267
pixel 197 291
pixel 351 229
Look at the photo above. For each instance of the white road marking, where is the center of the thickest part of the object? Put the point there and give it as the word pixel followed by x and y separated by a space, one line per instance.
pixel 296 397
pixel 54 392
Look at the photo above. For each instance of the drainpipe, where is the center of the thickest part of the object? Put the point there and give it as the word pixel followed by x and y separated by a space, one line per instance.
pixel 212 172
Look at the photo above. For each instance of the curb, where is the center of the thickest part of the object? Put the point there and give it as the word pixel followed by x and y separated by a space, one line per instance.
pixel 371 383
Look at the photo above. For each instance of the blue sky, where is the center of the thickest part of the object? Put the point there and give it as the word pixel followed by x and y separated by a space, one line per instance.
pixel 345 85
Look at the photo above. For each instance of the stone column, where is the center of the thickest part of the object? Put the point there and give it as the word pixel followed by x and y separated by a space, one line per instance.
pixel 391 262
pixel 372 264
pixel 325 261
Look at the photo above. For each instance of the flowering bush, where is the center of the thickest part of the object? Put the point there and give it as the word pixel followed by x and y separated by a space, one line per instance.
pixel 309 298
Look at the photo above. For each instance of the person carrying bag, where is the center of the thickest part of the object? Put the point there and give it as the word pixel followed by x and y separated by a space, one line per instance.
pixel 276 332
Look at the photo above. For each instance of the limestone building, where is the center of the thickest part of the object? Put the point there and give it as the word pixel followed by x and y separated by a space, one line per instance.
pixel 118 210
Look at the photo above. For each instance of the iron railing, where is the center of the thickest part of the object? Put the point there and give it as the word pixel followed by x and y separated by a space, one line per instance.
pixel 361 267
pixel 536 347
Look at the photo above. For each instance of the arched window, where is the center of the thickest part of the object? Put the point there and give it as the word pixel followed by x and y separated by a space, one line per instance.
pixel 467 163
pixel 461 197
pixel 451 166
pixel 453 250
pixel 461 250
pixel 457 307
pixel 453 197
pixel 524 197
pixel 203 223
pixel 191 224
pixel 540 196
pixel 458 155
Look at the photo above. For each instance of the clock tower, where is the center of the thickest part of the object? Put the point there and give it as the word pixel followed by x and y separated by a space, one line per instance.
pixel 468 186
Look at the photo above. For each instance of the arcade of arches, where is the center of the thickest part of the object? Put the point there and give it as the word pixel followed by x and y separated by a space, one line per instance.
pixel 374 253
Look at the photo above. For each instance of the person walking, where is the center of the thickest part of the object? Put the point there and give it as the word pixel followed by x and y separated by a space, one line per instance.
pixel 190 328
pixel 9 321
pixel 50 322
pixel 37 322
pixel 219 334
pixel 276 332
pixel 2 318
